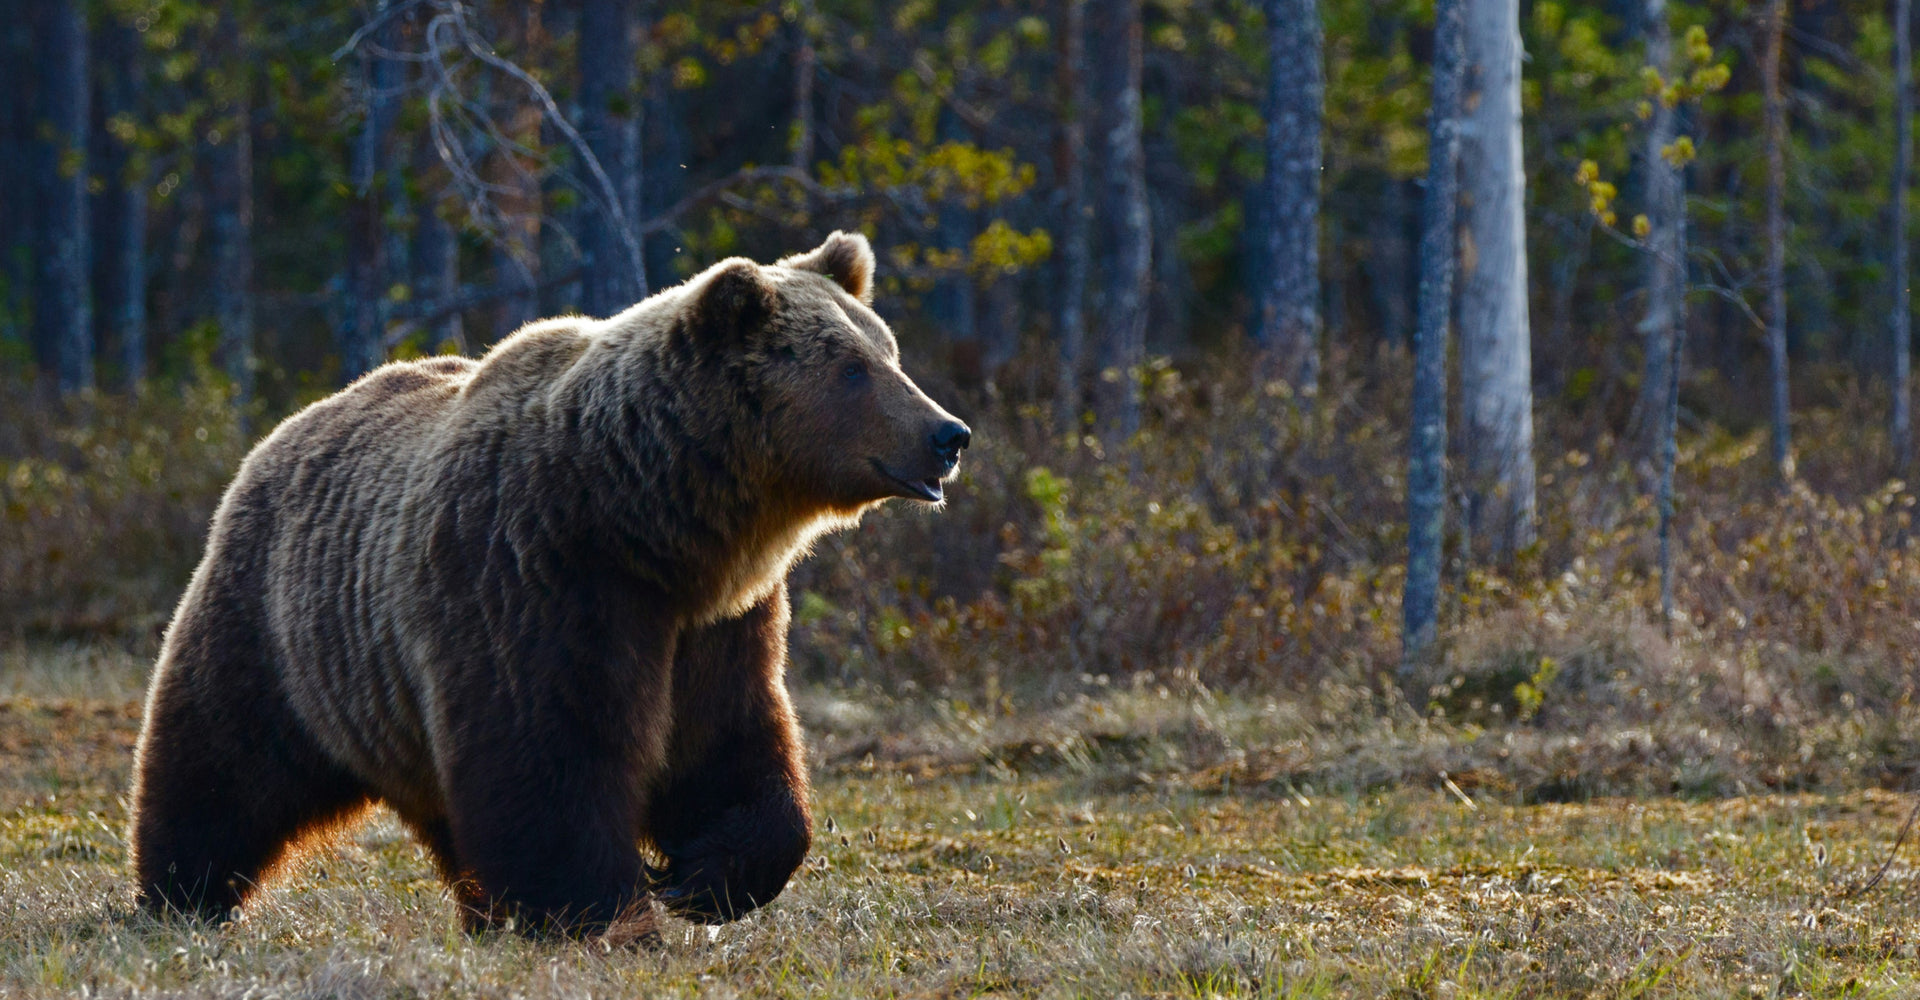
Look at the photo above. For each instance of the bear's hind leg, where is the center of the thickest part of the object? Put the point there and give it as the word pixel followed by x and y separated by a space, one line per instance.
pixel 226 781
pixel 436 835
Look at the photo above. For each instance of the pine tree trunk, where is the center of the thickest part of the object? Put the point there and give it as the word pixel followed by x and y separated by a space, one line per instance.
pixel 1070 167
pixel 18 203
pixel 62 316
pixel 1776 141
pixel 533 237
pixel 1496 359
pixel 1289 312
pixel 1426 464
pixel 435 254
pixel 1125 228
pixel 229 160
pixel 950 304
pixel 1902 329
pixel 120 244
pixel 362 343
pixel 803 73
pixel 610 123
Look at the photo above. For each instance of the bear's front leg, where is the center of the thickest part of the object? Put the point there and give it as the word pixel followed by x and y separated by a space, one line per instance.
pixel 544 786
pixel 730 814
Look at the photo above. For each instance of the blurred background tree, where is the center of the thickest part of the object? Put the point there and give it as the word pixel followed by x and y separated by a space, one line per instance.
pixel 1108 229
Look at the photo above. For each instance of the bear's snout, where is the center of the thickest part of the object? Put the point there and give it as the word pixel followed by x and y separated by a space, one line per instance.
pixel 947 439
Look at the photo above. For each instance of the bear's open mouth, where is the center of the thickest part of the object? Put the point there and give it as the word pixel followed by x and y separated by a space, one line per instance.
pixel 913 489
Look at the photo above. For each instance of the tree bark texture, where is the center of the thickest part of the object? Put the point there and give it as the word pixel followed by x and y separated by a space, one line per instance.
pixel 1427 459
pixel 1496 358
pixel 1289 312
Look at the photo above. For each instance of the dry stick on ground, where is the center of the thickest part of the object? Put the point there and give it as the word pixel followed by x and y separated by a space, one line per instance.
pixel 1894 852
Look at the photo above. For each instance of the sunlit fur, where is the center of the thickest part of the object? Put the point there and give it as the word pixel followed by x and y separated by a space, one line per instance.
pixel 535 603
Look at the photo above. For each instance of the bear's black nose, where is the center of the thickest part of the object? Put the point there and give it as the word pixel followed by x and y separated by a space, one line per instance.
pixel 949 438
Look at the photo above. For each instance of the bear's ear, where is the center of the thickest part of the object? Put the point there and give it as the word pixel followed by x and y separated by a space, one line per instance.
pixel 733 297
pixel 844 257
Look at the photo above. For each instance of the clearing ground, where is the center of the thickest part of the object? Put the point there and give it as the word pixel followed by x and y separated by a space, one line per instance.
pixel 1001 881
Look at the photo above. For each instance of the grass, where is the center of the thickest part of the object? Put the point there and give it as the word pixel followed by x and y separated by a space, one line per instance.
pixel 1020 857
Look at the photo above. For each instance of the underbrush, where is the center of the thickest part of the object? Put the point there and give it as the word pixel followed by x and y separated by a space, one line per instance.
pixel 1246 544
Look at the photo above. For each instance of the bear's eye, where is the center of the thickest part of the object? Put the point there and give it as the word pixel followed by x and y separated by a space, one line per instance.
pixel 854 371
pixel 787 354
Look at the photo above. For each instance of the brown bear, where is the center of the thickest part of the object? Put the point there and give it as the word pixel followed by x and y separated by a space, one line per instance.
pixel 536 604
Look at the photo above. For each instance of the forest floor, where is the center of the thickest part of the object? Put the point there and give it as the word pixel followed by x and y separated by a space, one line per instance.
pixel 936 879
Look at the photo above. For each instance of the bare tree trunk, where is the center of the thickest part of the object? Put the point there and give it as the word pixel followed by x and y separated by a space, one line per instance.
pixel 1496 360
pixel 1070 167
pixel 803 73
pixel 1666 246
pixel 1126 230
pixel 1665 323
pixel 17 184
pixel 230 209
pixel 436 251
pixel 1389 262
pixel 529 243
pixel 120 242
pixel 950 304
pixel 1777 239
pixel 362 345
pixel 1289 312
pixel 1427 459
pixel 62 316
pixel 667 144
pixel 610 122
pixel 1902 329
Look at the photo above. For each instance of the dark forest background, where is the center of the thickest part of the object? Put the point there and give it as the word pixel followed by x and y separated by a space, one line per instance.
pixel 1508 355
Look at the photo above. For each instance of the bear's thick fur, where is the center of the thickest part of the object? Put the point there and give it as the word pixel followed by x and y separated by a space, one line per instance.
pixel 537 605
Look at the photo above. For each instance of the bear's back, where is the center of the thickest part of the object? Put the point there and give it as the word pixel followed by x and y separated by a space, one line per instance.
pixel 321 499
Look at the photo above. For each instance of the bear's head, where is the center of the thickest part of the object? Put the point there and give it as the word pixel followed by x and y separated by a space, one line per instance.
pixel 843 426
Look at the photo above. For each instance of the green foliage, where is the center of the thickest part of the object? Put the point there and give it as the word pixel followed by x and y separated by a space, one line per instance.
pixel 103 509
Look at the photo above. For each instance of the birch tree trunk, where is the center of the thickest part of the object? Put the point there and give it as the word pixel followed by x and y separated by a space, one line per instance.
pixel 1496 362
pixel 1070 167
pixel 1666 243
pixel 1427 458
pixel 1902 329
pixel 614 277
pixel 1776 141
pixel 62 316
pixel 1289 320
pixel 1664 325
pixel 1125 228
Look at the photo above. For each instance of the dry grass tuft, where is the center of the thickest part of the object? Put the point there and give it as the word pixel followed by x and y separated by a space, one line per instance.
pixel 959 861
